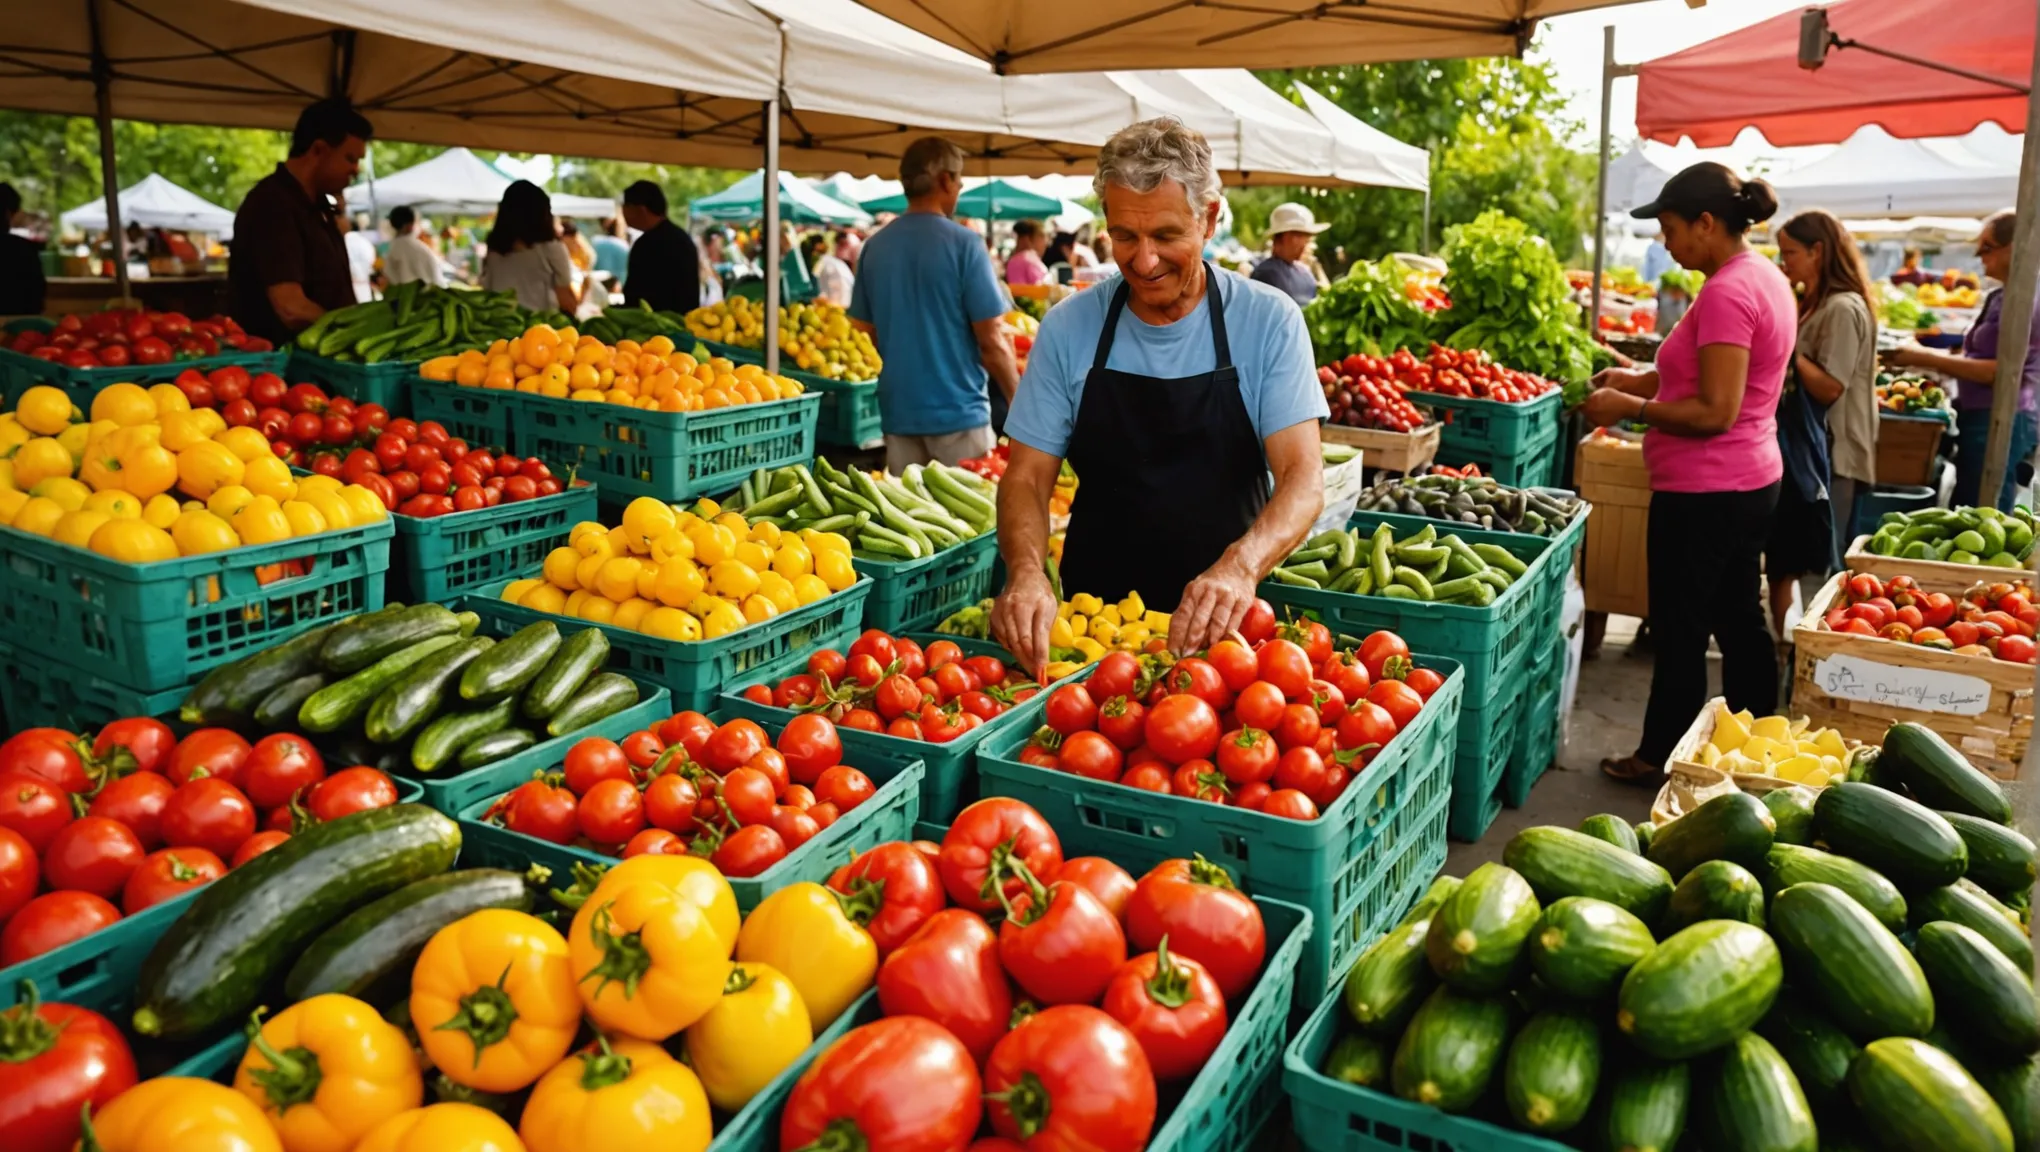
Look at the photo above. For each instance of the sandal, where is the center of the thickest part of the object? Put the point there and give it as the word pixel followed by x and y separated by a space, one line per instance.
pixel 1630 770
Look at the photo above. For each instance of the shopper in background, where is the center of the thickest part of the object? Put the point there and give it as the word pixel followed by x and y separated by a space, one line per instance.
pixel 525 253
pixel 713 265
pixel 361 255
pixel 407 259
pixel 1025 265
pixel 927 293
pixel 1061 257
pixel 1836 360
pixel 1909 270
pixel 1712 450
pixel 578 249
pixel 1291 228
pixel 289 263
pixel 834 281
pixel 665 269
pixel 22 286
pixel 1975 373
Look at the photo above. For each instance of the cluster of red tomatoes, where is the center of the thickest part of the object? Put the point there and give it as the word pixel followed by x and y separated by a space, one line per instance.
pixel 1275 720
pixel 1990 619
pixel 692 786
pixel 134 817
pixel 1361 392
pixel 429 472
pixel 118 338
pixel 296 419
pixel 1450 372
pixel 890 684
pixel 1057 1024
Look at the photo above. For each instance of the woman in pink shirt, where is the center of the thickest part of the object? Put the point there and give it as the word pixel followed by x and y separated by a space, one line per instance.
pixel 1711 402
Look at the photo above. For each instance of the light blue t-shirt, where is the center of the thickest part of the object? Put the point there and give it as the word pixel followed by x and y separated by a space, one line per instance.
pixel 612 255
pixel 922 281
pixel 1263 327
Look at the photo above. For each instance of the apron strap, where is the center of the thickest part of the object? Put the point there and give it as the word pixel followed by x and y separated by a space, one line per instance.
pixel 1221 347
pixel 1119 296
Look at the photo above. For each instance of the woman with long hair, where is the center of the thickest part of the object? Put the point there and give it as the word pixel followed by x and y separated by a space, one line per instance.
pixel 1711 402
pixel 1835 371
pixel 525 253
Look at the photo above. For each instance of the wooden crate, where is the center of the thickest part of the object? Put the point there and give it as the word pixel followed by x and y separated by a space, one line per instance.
pixel 1685 754
pixel 1388 451
pixel 1906 447
pixel 1932 575
pixel 1615 560
pixel 1864 684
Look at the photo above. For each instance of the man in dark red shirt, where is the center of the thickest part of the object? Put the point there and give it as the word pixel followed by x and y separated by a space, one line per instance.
pixel 289 262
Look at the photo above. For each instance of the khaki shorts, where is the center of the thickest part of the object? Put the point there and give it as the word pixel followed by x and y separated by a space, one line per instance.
pixel 950 447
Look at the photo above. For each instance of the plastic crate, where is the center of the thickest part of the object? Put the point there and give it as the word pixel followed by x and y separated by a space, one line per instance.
pixel 1537 742
pixel 480 416
pixel 164 624
pixel 849 415
pixel 667 455
pixel 437 557
pixel 950 781
pixel 19 373
pixel 387 383
pixel 1476 799
pixel 460 790
pixel 888 815
pixel 696 671
pixel 1339 866
pixel 1566 548
pixel 1492 427
pixel 910 595
pixel 42 691
pixel 1536 467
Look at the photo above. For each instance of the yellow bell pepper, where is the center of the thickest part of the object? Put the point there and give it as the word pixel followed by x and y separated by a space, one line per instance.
pixel 758 1028
pixel 694 879
pixel 1091 649
pixel 1132 608
pixel 645 961
pixel 1057 669
pixel 1086 604
pixel 620 1096
pixel 328 1069
pixel 1060 634
pixel 179 1114
pixel 802 932
pixel 493 1000
pixel 442 1128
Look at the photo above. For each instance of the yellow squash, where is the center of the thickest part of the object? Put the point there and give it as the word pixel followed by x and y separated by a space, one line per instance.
pixel 620 1096
pixel 443 1128
pixel 493 1000
pixel 328 1069
pixel 179 1114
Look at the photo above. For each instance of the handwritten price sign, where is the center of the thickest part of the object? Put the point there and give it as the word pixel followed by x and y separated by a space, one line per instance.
pixel 1924 690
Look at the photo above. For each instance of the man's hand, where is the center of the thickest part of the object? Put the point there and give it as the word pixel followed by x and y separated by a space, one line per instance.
pixel 1606 407
pixel 1021 618
pixel 1213 605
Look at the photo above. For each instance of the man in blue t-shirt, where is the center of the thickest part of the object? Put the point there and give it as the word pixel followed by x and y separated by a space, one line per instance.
pixel 926 292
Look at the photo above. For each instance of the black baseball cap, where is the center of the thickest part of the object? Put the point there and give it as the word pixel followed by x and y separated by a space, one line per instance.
pixel 1708 187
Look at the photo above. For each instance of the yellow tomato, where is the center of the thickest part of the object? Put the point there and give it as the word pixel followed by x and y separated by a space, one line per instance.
pixel 514 591
pixel 261 521
pixel 669 624
pixel 595 609
pixel 183 429
pixel 64 490
pixel 596 544
pixel 38 514
pixel 586 528
pixel 756 1030
pixel 12 434
pixel 648 581
pixel 622 543
pixel 713 543
pixel 560 566
pixel 124 404
pixel 826 541
pixel 337 511
pixel 133 541
pixel 722 620
pixel 162 511
pixel 246 443
pixel 767 533
pixel 115 503
pixel 545 598
pixel 646 519
pixel 617 578
pixel 623 1094
pixel 779 590
pixel 808 589
pixel 631 613
pixel 185 1114
pixel 753 555
pixel 589 570
pixel 146 469
pixel 76 528
pixel 445 1127
pixel 792 559
pixel 208 466
pixel 45 410
pixel 227 500
pixel 758 609
pixel 575 599
pixel 78 437
pixel 11 503
pixel 210 420
pixel 40 459
pixel 366 506
pixel 168 398
pixel 672 545
pixel 270 476
pixel 835 569
pixel 304 519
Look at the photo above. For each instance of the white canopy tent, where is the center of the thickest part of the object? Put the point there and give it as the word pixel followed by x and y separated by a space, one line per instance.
pixel 156 203
pixel 458 182
pixel 1872 174
pixel 1365 154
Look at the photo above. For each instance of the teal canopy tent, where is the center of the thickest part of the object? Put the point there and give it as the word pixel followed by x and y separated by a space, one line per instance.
pixel 799 203
pixel 992 200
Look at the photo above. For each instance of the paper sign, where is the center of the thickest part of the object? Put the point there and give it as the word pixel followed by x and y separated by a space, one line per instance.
pixel 1921 689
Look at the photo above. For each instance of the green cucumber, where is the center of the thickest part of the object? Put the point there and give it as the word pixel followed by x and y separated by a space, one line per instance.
pixel 1645 833
pixel 232 691
pixel 1553 1067
pixel 2000 858
pixel 1939 776
pixel 1560 862
pixel 1854 967
pixel 279 709
pixel 1699 989
pixel 1818 1051
pixel 369 953
pixel 1976 913
pixel 1913 1095
pixel 1477 936
pixel 1451 1049
pixel 1978 992
pixel 1716 890
pixel 1790 864
pixel 443 739
pixel 1440 891
pixel 578 658
pixel 1792 808
pixel 1751 1101
pixel 1863 768
pixel 337 705
pixel 604 695
pixel 505 669
pixel 1614 829
pixel 495 746
pixel 2015 1087
pixel 1583 947
pixel 1734 826
pixel 365 641
pixel 1906 841
pixel 2001 907
pixel 1361 1060
pixel 210 967
pixel 421 691
pixel 1384 986
pixel 1647 1104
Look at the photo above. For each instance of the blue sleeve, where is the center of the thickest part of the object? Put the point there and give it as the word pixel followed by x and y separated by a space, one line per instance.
pixel 1287 392
pixel 983 296
pixel 1044 409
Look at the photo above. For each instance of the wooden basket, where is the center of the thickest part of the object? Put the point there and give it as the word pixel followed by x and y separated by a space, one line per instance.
pixel 1388 451
pixel 1686 753
pixel 1932 575
pixel 1864 684
pixel 1615 560
pixel 1906 447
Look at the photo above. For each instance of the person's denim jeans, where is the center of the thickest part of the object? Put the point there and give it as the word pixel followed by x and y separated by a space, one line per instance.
pixel 1972 439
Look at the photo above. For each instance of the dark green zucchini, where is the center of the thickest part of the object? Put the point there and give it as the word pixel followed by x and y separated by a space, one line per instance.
pixel 1645 833
pixel 1734 826
pixel 1818 1051
pixel 1791 864
pixel 1864 769
pixel 1699 989
pixel 604 695
pixel 369 953
pixel 2001 907
pixel 360 643
pixel 279 709
pixel 339 704
pixel 1716 890
pixel 1384 986
pixel 1913 1095
pixel 504 670
pixel 2015 1087
pixel 2000 858
pixel 421 692
pixel 1978 992
pixel 1452 1048
pixel 1939 776
pixel 1614 829
pixel 1477 936
pixel 443 739
pixel 1861 975
pixel 1975 913
pixel 1752 1102
pixel 1906 841
pixel 495 746
pixel 1560 862
pixel 231 692
pixel 212 964
pixel 1647 1104
pixel 1362 1060
pixel 1553 1068
pixel 579 657
pixel 1582 947
pixel 1792 808
pixel 1440 891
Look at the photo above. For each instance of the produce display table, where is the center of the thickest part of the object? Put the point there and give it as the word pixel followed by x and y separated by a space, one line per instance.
pixel 1907 447
pixel 1615 566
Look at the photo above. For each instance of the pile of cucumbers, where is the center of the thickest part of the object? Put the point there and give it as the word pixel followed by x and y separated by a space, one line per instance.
pixel 1618 986
pixel 1421 566
pixel 412 688
pixel 638 322
pixel 419 321
pixel 1476 501
pixel 925 510
pixel 1981 536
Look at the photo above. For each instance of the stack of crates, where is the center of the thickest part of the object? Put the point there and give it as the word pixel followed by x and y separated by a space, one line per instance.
pixel 1539 724
pixel 1516 443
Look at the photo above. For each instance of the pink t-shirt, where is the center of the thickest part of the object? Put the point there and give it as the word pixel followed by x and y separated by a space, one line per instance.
pixel 1026 268
pixel 1747 303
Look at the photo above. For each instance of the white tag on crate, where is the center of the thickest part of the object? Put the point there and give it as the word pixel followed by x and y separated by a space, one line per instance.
pixel 1853 678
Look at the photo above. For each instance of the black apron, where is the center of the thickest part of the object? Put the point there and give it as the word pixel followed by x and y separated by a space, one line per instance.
pixel 1169 472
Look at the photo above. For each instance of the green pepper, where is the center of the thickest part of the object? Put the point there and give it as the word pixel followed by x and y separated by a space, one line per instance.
pixel 1414 580
pixel 1384 570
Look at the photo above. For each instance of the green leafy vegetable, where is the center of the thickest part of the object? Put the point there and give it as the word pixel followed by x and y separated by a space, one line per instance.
pixel 1368 311
pixel 1510 297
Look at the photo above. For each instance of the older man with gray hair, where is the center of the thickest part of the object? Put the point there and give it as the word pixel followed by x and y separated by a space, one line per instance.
pixel 1173 390
pixel 927 293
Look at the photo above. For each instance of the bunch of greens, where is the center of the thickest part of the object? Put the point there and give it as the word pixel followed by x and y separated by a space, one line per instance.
pixel 1368 311
pixel 1683 278
pixel 1510 297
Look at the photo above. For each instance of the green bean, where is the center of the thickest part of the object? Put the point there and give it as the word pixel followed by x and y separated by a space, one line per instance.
pixel 813 490
pixel 1315 569
pixel 1293 579
pixel 1306 555
pixel 1384 571
pixel 1400 592
pixel 1348 555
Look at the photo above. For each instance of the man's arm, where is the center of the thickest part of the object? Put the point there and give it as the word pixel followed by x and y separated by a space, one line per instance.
pixel 1216 602
pixel 1026 608
pixel 293 307
pixel 995 349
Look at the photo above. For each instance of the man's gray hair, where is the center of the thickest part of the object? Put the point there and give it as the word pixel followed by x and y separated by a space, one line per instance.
pixel 1141 156
pixel 924 160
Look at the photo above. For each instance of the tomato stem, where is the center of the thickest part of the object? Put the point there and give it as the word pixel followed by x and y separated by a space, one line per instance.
pixel 24 1034
pixel 862 904
pixel 1170 986
pixel 1027 1102
pixel 293 1076
pixel 586 877
pixel 1038 895
pixel 1203 871
pixel 485 1015
pixel 602 1067
pixel 738 981
pixel 88 1140
pixel 842 1135
pixel 1023 1011
pixel 625 958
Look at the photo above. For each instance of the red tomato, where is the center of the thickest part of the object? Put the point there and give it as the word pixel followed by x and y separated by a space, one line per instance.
pixel 949 972
pixel 1205 917
pixel 1345 673
pixel 824 814
pixel 539 809
pixel 896 696
pixel 1291 804
pixel 689 729
pixel 20 872
pixel 1071 709
pixel 1301 769
pixel 862 719
pixel 827 663
pixel 51 921
pixel 1383 650
pixel 773 765
pixel 168 874
pixel 903 1084
pixel 988 669
pixel 794 826
pixel 1260 705
pixel 1424 681
pixel 146 742
pixel 875 644
pixel 1123 721
pixel 733 744
pixel 653 842
pixel 749 851
pixel 951 681
pixel 62 1061
pixel 979 704
pixel 1060 943
pixel 33 807
pixel 1182 728
pixel 592 760
pixel 93 855
pixel 643 749
pixel 1173 1008
pixel 1089 1083
pixel 1152 776
pixel 1200 780
pixel 844 786
pixel 1316 640
pixel 1285 665
pixel 279 767
pixel 810 745
pixel 1259 622
pixel 1091 755
pixel 1117 674
pixel 1250 796
pixel 209 814
pixel 1400 700
pixel 1367 726
pixel 1299 727
pixel 50 753
pixel 791 692
pixel 1194 677
pixel 257 844
pixel 1107 882
pixel 136 801
pixel 669 803
pixel 215 752
pixel 891 890
pixel 1246 755
pixel 749 794
pixel 2017 649
pixel 611 812
pixel 348 791
pixel 983 836
pixel 1236 664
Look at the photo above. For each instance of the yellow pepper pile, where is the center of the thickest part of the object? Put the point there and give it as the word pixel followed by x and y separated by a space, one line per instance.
pixel 564 364
pixel 685 573
pixel 111 483
pixel 1085 629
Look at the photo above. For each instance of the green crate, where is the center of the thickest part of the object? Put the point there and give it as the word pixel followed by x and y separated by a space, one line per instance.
pixel 386 383
pixel 437 557
pixel 1338 866
pixel 19 373
pixel 1330 1115
pixel 1492 427
pixel 888 815
pixel 1536 467
pixel 42 691
pixel 950 781
pixel 910 595
pixel 1537 742
pixel 452 793
pixel 667 455
pixel 1477 794
pixel 480 416
pixel 164 624
pixel 696 671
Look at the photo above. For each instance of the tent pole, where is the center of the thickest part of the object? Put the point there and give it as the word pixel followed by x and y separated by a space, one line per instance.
pixel 102 95
pixel 1424 239
pixel 1601 175
pixel 2015 321
pixel 772 253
